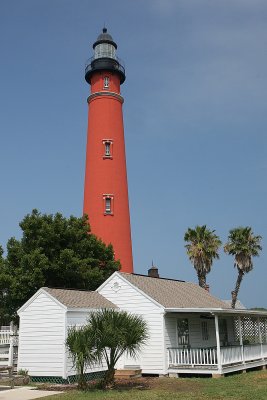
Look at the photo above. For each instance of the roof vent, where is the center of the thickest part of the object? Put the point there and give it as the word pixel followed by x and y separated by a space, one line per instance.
pixel 153 272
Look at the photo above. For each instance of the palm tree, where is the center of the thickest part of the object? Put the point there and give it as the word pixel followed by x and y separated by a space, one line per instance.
pixel 116 333
pixel 202 249
pixel 243 245
pixel 81 347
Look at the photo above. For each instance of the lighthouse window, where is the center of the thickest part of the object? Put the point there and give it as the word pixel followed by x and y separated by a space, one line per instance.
pixel 108 205
pixel 106 82
pixel 103 50
pixel 107 148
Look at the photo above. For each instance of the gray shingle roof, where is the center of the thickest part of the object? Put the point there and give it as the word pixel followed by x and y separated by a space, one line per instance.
pixel 175 294
pixel 79 298
pixel 238 305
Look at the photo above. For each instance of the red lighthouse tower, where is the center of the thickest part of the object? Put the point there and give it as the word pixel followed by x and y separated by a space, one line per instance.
pixel 106 191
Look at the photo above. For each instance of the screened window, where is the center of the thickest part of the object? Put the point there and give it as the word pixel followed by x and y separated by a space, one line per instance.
pixel 106 82
pixel 205 331
pixel 183 332
pixel 223 332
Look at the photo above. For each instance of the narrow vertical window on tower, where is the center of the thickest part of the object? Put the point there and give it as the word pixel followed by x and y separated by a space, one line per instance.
pixel 107 149
pixel 108 204
pixel 106 82
pixel 108 144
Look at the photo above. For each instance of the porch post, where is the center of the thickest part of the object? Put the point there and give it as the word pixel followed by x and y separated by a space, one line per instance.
pixel 218 344
pixel 241 338
pixel 11 351
pixel 260 337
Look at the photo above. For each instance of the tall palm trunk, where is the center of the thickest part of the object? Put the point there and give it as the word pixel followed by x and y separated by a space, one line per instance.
pixel 237 287
pixel 201 279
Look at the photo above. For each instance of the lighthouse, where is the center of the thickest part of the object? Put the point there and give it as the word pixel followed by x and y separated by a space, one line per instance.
pixel 106 190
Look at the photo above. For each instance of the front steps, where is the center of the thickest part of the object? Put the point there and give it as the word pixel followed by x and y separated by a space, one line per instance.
pixel 128 373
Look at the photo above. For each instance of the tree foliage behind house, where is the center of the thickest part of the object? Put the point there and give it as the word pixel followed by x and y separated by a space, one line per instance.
pixel 54 251
pixel 5 282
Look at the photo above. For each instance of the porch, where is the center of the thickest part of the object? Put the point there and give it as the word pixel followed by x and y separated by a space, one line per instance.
pixel 205 360
pixel 228 341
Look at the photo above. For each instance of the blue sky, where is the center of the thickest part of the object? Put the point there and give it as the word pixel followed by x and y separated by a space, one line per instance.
pixel 194 113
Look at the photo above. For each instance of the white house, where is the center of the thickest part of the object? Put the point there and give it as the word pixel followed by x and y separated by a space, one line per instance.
pixel 44 322
pixel 190 331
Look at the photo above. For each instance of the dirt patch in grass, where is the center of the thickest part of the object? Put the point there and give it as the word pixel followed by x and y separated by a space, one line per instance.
pixel 260 375
pixel 176 385
pixel 57 387
pixel 129 384
pixel 158 384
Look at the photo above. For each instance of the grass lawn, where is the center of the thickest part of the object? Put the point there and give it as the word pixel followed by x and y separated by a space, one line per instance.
pixel 250 386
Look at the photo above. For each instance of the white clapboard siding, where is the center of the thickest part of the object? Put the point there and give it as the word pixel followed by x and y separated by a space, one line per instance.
pixel 71 370
pixel 41 337
pixel 77 317
pixel 128 298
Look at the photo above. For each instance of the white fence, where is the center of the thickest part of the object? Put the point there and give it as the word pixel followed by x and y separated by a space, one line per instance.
pixel 8 340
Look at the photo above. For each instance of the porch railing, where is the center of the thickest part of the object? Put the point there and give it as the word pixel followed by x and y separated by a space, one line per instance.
pixel 8 340
pixel 208 356
pixel 245 353
pixel 231 355
pixel 192 356
pixel 4 337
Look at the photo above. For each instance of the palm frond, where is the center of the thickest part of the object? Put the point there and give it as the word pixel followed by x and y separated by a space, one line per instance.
pixel 202 248
pixel 243 245
pixel 117 332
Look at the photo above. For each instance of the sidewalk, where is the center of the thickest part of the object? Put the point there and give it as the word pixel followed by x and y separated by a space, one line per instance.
pixel 25 393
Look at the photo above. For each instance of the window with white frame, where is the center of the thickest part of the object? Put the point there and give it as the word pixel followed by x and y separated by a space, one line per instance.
pixel 106 82
pixel 183 332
